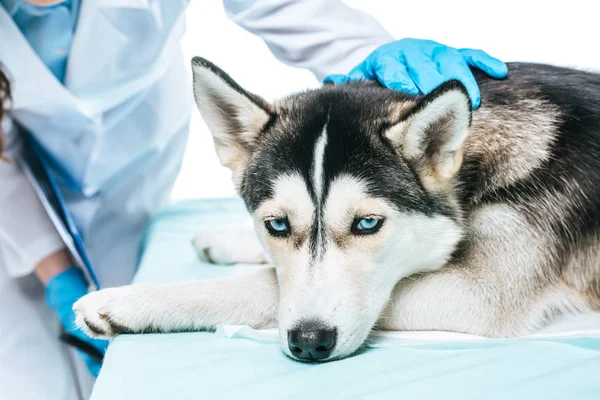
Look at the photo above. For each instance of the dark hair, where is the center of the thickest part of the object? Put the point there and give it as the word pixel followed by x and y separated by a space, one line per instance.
pixel 5 98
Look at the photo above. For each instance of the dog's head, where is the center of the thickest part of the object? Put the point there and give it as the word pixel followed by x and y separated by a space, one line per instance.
pixel 351 190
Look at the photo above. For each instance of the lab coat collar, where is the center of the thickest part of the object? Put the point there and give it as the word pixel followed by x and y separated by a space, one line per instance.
pixel 35 89
pixel 96 42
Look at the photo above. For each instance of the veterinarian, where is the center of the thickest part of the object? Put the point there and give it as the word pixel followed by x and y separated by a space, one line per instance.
pixel 102 87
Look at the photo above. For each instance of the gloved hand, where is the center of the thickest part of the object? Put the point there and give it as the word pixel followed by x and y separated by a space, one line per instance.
pixel 62 291
pixel 415 65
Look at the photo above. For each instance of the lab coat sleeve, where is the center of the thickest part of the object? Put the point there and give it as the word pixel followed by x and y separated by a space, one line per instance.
pixel 325 36
pixel 27 234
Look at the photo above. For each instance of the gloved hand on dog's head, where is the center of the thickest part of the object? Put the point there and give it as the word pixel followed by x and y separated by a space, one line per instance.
pixel 418 66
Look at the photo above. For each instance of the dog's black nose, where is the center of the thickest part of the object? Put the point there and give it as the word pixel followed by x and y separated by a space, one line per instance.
pixel 311 341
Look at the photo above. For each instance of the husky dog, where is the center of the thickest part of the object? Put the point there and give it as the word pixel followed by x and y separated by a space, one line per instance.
pixel 380 209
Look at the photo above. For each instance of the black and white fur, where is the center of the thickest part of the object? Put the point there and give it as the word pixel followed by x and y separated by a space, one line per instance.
pixel 491 218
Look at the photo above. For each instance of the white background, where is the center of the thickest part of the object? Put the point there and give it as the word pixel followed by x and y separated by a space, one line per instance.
pixel 563 33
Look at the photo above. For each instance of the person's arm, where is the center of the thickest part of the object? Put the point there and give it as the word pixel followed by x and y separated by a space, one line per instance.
pixel 27 235
pixel 29 243
pixel 28 240
pixel 52 265
pixel 324 36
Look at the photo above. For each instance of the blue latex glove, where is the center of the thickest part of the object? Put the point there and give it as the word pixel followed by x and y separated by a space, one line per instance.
pixel 419 66
pixel 62 291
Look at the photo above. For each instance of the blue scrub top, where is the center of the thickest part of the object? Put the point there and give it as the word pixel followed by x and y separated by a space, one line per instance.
pixel 49 30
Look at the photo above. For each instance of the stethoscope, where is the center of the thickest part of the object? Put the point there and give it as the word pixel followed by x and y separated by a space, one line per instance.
pixel 36 166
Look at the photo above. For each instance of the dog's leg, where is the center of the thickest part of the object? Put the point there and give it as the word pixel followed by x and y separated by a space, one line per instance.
pixel 502 285
pixel 249 300
pixel 230 246
pixel 479 302
pixel 443 300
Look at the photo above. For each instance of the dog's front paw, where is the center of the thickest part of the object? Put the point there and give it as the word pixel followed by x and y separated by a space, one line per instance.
pixel 229 246
pixel 109 312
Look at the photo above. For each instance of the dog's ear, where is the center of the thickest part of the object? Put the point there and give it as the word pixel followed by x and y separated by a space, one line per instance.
pixel 234 116
pixel 432 135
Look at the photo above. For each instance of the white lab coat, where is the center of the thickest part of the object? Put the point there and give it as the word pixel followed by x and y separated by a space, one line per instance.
pixel 116 132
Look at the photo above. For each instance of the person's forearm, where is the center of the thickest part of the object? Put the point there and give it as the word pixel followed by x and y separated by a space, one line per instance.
pixel 52 265
pixel 326 37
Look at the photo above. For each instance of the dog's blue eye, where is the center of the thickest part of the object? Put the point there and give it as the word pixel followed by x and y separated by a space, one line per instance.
pixel 366 226
pixel 278 227
pixel 367 223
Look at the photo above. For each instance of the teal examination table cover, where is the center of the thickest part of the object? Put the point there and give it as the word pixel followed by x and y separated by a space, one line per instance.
pixel 239 363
